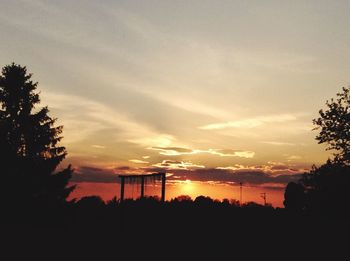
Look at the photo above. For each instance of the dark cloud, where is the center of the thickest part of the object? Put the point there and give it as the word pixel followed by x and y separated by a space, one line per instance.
pixel 226 175
pixel 171 162
pixel 153 169
pixel 273 186
pixel 279 167
pixel 88 169
pixel 123 168
pixel 253 177
pixel 93 174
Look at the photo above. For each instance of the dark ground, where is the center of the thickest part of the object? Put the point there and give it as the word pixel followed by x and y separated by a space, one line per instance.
pixel 159 232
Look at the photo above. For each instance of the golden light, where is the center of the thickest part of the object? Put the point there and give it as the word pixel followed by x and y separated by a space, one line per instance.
pixel 187 187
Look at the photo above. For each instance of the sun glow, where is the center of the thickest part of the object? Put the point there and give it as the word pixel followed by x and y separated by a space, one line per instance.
pixel 187 187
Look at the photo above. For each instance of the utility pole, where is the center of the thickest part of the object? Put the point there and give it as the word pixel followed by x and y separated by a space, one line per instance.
pixel 263 195
pixel 240 193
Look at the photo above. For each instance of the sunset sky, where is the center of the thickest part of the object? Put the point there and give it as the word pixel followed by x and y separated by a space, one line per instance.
pixel 210 91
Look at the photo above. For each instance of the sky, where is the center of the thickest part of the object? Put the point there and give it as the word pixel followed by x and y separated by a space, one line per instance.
pixel 208 91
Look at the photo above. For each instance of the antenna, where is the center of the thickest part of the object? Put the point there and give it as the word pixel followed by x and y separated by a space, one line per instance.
pixel 240 193
pixel 263 195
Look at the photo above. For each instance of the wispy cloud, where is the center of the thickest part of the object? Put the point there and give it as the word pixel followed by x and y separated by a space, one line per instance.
pixel 138 161
pixel 191 105
pixel 275 168
pixel 150 98
pixel 278 143
pixel 293 157
pixel 173 165
pixel 177 151
pixel 93 174
pixel 270 173
pixel 252 177
pixel 91 117
pixel 98 146
pixel 250 123
pixel 173 151
pixel 187 171
pixel 233 153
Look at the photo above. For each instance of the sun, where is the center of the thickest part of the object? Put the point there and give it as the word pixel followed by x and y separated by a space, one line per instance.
pixel 187 186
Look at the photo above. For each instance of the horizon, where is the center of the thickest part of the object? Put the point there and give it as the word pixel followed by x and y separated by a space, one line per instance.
pixel 212 93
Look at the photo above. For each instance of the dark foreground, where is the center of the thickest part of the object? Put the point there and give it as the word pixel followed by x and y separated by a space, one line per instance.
pixel 154 230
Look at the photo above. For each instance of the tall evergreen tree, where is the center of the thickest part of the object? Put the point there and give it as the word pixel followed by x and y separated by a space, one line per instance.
pixel 29 144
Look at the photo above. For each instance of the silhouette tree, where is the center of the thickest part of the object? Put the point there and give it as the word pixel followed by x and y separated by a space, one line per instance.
pixel 183 198
pixel 90 202
pixel 294 197
pixel 334 126
pixel 29 149
pixel 324 190
pixel 327 188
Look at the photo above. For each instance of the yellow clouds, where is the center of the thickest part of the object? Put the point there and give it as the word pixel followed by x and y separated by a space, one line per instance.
pixel 173 165
pixel 98 146
pixel 83 118
pixel 173 151
pixel 231 153
pixel 278 143
pixel 154 140
pixel 250 123
pixel 138 161
pixel 271 167
pixel 177 151
pixel 242 154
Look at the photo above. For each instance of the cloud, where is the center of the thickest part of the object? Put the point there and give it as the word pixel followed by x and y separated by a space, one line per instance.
pixel 160 140
pixel 232 153
pixel 102 175
pixel 172 164
pixel 93 174
pixel 172 151
pixel 122 168
pixel 293 157
pixel 98 146
pixel 272 175
pixel 191 105
pixel 230 176
pixel 273 168
pixel 250 123
pixel 277 143
pixel 176 151
pixel 100 117
pixel 280 167
pixel 138 161
pixel 87 169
